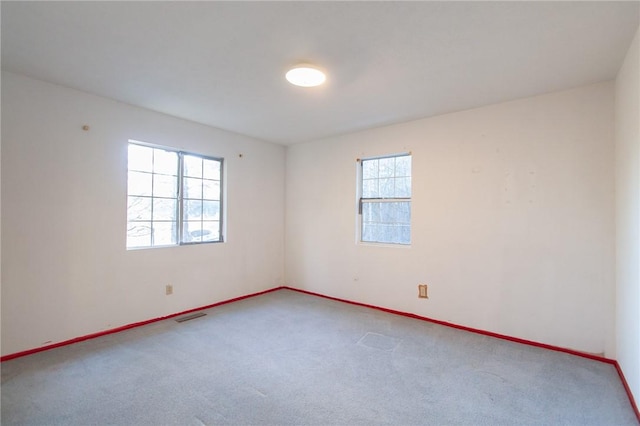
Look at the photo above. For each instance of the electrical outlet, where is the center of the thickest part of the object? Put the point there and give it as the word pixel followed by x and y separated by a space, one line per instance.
pixel 169 289
pixel 422 291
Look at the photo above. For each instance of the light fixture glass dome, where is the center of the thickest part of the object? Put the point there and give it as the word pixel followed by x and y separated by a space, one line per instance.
pixel 305 75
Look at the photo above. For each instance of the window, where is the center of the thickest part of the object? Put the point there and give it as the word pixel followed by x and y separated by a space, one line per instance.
pixel 385 199
pixel 173 197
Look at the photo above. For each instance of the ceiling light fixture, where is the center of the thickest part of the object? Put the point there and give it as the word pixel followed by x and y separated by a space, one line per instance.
pixel 305 75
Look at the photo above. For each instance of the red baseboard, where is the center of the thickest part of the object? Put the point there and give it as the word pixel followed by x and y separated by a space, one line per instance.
pixel 127 327
pixel 491 334
pixel 628 390
pixel 462 327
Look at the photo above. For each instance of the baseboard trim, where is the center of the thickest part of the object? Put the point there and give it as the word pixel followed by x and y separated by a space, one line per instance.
pixel 628 390
pixel 127 327
pixel 491 334
pixel 462 327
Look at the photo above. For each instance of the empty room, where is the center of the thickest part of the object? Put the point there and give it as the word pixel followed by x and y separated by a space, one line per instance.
pixel 327 213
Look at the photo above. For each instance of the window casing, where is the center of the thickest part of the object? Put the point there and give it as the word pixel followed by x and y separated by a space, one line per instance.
pixel 173 197
pixel 385 199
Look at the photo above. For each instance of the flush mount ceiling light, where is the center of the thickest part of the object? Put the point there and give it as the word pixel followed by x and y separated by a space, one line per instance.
pixel 305 75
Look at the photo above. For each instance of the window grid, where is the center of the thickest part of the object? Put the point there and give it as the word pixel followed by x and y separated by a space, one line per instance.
pixel 161 221
pixel 145 196
pixel 385 203
pixel 208 212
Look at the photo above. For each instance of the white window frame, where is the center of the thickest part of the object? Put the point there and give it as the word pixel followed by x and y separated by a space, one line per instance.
pixel 181 198
pixel 361 201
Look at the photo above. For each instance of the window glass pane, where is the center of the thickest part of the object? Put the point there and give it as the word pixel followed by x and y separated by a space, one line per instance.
pixel 384 212
pixel 211 210
pixel 403 187
pixel 369 169
pixel 385 233
pixel 191 231
pixel 386 188
pixel 371 212
pixel 398 213
pixel 165 162
pixel 211 169
pixel 192 166
pixel 211 190
pixel 387 213
pixel 140 158
pixel 388 234
pixel 370 232
pixel 211 231
pixel 387 167
pixel 138 208
pixel 165 186
pixel 370 188
pixel 164 209
pixel 164 233
pixel 403 212
pixel 139 183
pixel 138 234
pixel 192 188
pixel 404 234
pixel 192 210
pixel 204 235
pixel 403 166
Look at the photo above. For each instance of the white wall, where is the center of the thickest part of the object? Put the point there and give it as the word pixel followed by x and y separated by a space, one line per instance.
pixel 65 270
pixel 513 219
pixel 627 126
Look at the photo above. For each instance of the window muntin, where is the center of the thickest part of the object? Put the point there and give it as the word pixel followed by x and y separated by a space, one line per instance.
pixel 385 202
pixel 173 197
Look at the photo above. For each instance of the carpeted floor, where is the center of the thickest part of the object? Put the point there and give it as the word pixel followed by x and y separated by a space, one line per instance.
pixel 290 358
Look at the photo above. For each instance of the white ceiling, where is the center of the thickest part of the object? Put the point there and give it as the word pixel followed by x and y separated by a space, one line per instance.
pixel 223 63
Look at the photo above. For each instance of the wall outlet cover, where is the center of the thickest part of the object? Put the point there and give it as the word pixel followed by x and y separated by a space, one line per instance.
pixel 422 291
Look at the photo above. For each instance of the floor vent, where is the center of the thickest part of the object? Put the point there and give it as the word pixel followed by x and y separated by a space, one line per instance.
pixel 190 317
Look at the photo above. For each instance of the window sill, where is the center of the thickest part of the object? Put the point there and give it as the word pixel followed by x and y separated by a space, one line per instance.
pixel 388 245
